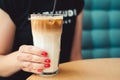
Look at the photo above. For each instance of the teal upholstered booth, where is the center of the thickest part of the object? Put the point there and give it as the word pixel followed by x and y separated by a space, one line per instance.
pixel 101 29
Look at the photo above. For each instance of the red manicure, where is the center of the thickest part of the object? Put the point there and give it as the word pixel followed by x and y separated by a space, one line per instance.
pixel 47 60
pixel 44 53
pixel 47 65
pixel 39 70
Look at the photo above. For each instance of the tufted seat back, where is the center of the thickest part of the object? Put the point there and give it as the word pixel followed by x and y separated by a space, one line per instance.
pixel 101 29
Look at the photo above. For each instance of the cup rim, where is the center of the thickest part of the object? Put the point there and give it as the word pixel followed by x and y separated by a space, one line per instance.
pixel 46 16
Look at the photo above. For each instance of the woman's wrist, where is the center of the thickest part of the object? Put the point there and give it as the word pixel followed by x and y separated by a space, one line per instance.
pixel 15 63
pixel 10 63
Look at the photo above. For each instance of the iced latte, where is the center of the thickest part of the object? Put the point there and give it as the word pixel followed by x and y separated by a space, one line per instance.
pixel 46 31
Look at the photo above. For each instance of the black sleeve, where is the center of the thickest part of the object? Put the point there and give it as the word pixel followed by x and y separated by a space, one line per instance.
pixel 13 8
pixel 8 7
pixel 79 5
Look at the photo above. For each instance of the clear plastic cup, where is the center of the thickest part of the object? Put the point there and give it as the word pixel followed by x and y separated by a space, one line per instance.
pixel 46 32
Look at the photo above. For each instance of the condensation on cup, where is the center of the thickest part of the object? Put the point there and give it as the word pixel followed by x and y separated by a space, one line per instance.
pixel 46 32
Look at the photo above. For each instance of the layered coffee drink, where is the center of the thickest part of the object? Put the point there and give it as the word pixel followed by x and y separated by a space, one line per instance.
pixel 46 32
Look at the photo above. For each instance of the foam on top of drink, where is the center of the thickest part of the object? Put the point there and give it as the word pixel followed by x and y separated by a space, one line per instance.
pixel 46 16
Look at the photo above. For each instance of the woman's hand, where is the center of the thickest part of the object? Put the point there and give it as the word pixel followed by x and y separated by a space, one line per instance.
pixel 33 59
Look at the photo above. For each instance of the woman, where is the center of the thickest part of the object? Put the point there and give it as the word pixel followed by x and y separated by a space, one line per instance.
pixel 18 58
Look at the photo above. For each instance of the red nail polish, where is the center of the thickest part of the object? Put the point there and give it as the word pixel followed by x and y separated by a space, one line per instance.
pixel 39 70
pixel 44 53
pixel 47 65
pixel 47 60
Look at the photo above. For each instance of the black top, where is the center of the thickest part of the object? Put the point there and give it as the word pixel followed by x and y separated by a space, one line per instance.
pixel 20 10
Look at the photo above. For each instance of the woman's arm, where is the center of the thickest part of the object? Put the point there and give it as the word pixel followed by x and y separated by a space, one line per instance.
pixel 7 32
pixel 76 47
pixel 27 58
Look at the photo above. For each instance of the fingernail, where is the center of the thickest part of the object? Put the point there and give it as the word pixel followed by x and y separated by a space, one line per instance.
pixel 39 70
pixel 44 53
pixel 47 65
pixel 47 60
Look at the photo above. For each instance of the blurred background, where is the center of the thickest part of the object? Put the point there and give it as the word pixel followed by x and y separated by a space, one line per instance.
pixel 101 29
